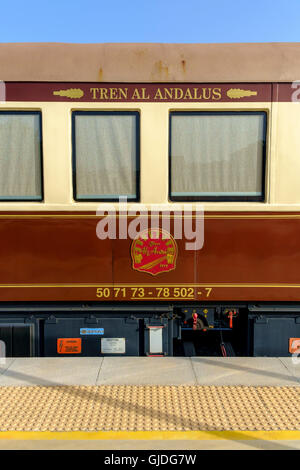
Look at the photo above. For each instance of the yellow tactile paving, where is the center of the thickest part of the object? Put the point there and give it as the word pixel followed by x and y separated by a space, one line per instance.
pixel 149 408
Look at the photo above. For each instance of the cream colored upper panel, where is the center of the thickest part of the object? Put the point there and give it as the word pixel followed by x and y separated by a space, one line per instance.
pixel 283 154
pixel 287 156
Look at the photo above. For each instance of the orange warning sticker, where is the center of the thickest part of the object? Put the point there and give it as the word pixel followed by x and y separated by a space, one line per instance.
pixel 294 345
pixel 69 345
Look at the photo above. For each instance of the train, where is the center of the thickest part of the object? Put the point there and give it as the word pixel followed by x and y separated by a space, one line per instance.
pixel 149 199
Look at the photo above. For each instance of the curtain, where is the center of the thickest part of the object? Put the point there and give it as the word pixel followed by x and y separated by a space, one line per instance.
pixel 105 156
pixel 217 154
pixel 20 156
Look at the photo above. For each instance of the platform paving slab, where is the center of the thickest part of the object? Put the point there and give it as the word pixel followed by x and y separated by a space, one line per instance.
pixel 146 371
pixel 167 411
pixel 52 371
pixel 253 371
pixel 149 371
pixel 5 363
pixel 293 365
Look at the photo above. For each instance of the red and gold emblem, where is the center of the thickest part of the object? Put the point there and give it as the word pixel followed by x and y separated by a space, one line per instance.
pixel 154 251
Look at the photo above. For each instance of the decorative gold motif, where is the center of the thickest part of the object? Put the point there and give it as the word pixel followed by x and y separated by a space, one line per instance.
pixel 70 93
pixel 154 252
pixel 171 253
pixel 239 93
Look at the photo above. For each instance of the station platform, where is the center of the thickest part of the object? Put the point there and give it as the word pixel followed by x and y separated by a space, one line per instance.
pixel 149 402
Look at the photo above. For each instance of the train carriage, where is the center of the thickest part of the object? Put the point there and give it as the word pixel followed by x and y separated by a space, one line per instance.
pixel 149 199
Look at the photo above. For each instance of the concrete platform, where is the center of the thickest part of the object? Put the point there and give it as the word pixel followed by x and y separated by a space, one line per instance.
pixel 149 403
pixel 150 371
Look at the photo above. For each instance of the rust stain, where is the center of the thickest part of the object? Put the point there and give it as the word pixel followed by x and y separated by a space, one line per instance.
pixel 183 64
pixel 140 53
pixel 100 75
pixel 161 70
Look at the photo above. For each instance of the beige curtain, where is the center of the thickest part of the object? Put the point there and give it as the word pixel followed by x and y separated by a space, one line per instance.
pixel 105 156
pixel 20 156
pixel 217 154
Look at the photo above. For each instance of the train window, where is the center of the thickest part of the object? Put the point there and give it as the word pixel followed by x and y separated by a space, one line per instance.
pixel 217 156
pixel 21 156
pixel 106 155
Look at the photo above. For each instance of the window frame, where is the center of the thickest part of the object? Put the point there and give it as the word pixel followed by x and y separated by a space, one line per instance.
pixel 40 198
pixel 137 156
pixel 223 198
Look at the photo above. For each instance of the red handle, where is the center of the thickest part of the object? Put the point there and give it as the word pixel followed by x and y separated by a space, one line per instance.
pixel 230 315
pixel 195 316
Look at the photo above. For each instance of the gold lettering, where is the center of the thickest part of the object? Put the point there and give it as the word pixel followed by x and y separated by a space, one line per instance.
pixel 144 97
pixel 123 93
pixel 94 92
pixel 136 94
pixel 196 96
pixel 113 92
pixel 188 94
pixel 103 94
pixel 168 93
pixel 178 93
pixel 158 95
pixel 206 96
pixel 217 95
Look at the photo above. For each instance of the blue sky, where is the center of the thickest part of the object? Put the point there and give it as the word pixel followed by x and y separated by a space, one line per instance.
pixel 150 21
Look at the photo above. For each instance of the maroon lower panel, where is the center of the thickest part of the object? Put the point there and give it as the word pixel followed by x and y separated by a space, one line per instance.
pixel 245 257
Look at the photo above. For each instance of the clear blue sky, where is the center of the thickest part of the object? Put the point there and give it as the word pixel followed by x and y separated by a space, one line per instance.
pixel 149 21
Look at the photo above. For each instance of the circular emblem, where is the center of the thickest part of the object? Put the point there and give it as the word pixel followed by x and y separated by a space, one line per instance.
pixel 154 251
